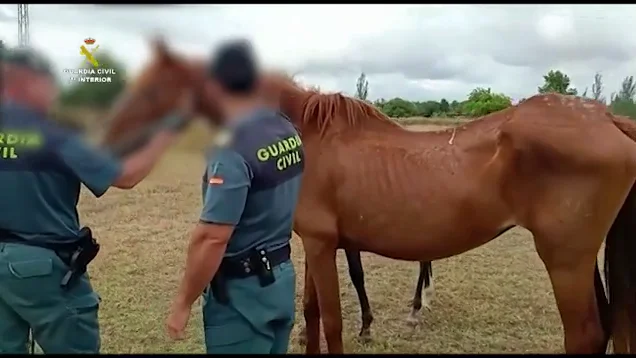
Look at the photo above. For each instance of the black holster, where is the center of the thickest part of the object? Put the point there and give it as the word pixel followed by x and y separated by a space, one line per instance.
pixel 79 259
pixel 256 263
pixel 218 288
pixel 75 254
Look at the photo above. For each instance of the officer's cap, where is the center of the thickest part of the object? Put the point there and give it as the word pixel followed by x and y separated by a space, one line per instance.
pixel 234 66
pixel 27 57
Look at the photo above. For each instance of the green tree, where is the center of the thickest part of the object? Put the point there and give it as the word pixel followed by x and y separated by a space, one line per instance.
pixel 455 108
pixel 557 82
pixel 444 106
pixel 379 103
pixel 482 101
pixel 597 88
pixel 426 108
pixel 624 103
pixel 399 108
pixel 628 90
pixel 100 95
pixel 362 87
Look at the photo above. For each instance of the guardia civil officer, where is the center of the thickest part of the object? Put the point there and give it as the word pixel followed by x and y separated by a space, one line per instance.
pixel 41 169
pixel 242 238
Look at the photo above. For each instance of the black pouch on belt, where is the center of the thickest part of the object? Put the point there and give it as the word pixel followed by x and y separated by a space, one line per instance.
pixel 86 251
pixel 263 267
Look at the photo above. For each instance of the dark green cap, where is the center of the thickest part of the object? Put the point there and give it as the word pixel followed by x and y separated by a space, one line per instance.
pixel 27 57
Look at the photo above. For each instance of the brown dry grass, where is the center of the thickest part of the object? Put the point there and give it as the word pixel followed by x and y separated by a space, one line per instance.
pixel 493 299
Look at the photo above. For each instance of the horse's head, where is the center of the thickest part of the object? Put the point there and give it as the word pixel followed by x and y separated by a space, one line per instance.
pixel 154 93
pixel 164 82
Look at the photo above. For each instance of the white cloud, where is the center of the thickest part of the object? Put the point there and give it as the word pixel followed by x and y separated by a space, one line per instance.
pixel 414 51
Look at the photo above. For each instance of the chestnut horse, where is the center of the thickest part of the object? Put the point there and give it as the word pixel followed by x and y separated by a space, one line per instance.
pixel 563 167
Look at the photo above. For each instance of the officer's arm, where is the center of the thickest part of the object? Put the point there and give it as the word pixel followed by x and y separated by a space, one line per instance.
pixel 229 178
pixel 139 164
pixel 98 170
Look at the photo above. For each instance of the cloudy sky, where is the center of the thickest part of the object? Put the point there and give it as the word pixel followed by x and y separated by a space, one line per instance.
pixel 418 52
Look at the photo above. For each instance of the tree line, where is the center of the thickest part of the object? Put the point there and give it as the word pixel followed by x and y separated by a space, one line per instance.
pixel 480 101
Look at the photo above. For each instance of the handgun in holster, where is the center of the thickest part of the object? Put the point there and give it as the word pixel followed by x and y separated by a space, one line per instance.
pixel 86 251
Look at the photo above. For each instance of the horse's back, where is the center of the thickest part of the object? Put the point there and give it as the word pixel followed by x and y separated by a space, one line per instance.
pixel 561 156
pixel 565 132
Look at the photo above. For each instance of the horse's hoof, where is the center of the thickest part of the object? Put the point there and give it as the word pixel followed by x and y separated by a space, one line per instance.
pixel 302 338
pixel 427 307
pixel 364 337
pixel 429 293
pixel 412 320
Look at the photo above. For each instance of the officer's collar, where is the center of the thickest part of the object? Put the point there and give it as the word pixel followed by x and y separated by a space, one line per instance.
pixel 249 116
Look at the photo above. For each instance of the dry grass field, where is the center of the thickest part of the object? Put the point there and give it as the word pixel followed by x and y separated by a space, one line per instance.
pixel 493 299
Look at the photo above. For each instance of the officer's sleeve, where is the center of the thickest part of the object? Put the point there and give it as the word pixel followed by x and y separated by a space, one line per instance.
pixel 95 168
pixel 229 178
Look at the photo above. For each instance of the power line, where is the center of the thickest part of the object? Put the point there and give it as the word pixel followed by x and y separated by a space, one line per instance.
pixel 23 25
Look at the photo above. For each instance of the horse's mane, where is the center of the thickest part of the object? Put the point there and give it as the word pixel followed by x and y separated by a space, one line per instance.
pixel 324 109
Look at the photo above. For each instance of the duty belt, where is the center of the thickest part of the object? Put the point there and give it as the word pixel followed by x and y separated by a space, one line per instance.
pixel 254 263
pixel 76 255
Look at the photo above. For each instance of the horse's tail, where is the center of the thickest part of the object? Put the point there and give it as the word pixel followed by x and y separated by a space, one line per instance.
pixel 619 316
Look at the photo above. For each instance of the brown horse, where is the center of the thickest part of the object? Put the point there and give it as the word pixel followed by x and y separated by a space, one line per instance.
pixel 560 166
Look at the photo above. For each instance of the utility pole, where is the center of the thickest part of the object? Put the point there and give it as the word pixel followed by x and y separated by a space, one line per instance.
pixel 23 25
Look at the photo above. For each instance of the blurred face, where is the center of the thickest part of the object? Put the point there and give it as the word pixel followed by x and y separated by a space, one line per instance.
pixel 31 88
pixel 219 104
pixel 43 92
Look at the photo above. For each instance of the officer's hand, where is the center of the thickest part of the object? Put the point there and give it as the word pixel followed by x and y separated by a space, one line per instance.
pixel 178 320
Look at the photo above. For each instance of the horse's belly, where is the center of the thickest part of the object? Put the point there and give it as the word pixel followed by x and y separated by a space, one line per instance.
pixel 421 216
pixel 428 245
pixel 426 230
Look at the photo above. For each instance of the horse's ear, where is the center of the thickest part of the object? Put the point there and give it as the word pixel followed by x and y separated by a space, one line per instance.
pixel 161 50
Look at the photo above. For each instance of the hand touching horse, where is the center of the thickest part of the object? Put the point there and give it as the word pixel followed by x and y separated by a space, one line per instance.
pixel 560 166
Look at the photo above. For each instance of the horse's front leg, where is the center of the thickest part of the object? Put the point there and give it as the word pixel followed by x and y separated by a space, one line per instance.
pixel 310 335
pixel 321 265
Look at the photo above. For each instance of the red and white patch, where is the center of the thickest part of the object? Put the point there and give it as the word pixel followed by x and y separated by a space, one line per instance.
pixel 215 181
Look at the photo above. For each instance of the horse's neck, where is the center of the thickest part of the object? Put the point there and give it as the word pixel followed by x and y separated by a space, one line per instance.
pixel 292 101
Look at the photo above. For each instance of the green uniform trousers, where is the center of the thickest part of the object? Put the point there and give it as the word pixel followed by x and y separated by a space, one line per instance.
pixel 257 320
pixel 62 321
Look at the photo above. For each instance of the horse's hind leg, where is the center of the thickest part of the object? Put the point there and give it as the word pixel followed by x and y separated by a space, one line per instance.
pixel 429 285
pixel 424 281
pixel 356 272
pixel 572 273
